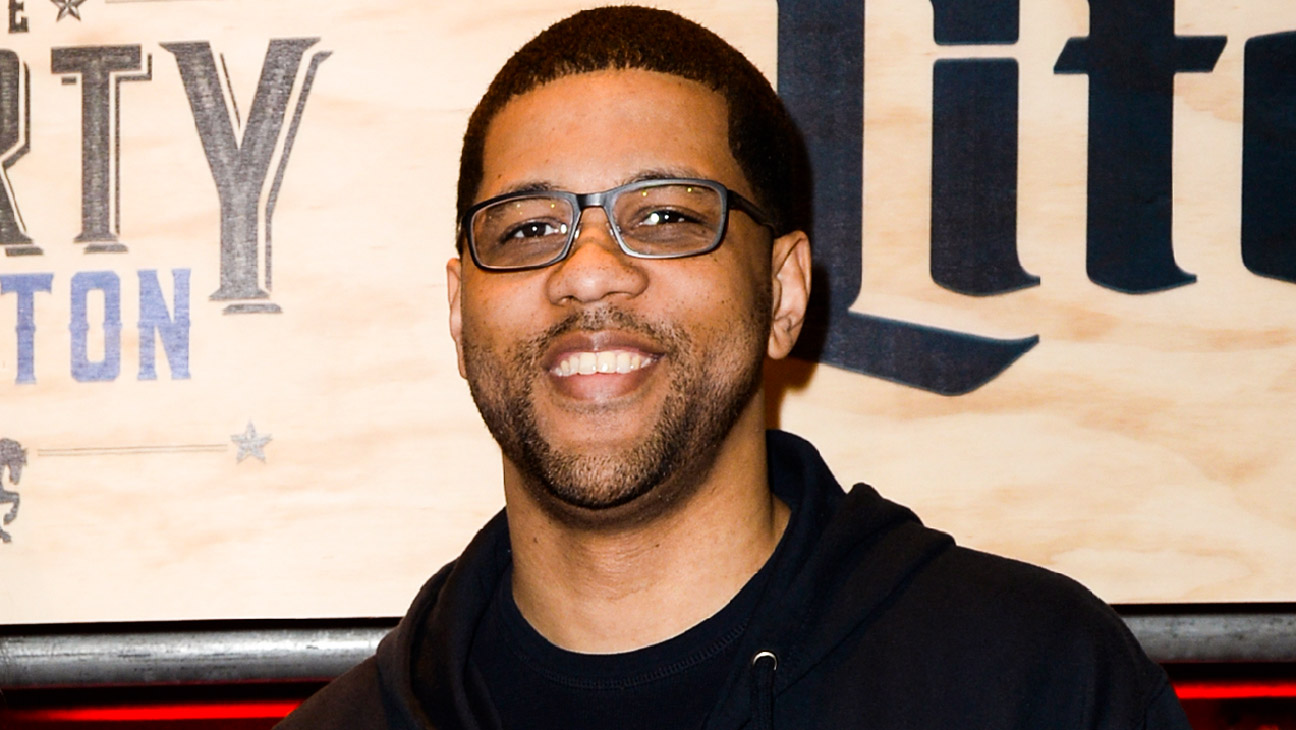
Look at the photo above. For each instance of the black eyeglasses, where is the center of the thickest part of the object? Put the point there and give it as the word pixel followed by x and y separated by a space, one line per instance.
pixel 650 219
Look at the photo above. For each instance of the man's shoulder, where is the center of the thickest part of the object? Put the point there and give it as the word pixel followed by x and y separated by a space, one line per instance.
pixel 1010 595
pixel 1022 609
pixel 924 572
pixel 1031 627
pixel 986 641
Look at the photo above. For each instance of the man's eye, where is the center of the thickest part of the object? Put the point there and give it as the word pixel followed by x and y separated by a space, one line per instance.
pixel 663 217
pixel 536 229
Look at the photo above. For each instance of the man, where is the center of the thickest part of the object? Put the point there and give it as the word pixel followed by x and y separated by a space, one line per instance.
pixel 631 239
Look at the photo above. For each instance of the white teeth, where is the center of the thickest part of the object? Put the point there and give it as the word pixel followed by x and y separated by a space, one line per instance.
pixel 605 361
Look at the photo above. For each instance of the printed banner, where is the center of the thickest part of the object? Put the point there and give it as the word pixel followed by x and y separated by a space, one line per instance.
pixel 228 388
pixel 1056 271
pixel 1074 285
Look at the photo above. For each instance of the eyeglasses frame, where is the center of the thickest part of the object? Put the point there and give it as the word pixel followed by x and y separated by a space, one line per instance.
pixel 729 200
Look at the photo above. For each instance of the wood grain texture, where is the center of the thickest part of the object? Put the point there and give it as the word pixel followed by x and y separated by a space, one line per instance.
pixel 379 469
pixel 1142 446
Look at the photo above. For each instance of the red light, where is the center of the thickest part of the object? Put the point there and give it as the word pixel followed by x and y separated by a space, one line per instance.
pixel 136 713
pixel 1234 690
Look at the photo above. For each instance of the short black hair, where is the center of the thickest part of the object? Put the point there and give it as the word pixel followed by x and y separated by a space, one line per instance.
pixel 762 136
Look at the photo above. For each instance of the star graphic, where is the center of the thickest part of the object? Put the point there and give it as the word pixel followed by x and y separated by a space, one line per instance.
pixel 250 443
pixel 68 7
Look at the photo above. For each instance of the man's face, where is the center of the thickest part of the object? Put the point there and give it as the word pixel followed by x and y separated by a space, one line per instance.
pixel 685 337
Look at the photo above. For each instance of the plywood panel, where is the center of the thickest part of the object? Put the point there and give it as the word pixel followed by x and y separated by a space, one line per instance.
pixel 1141 445
pixel 135 502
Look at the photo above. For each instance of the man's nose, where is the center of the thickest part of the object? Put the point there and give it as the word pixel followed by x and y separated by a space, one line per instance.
pixel 596 268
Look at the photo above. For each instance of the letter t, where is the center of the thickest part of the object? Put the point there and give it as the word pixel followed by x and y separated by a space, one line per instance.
pixel 1132 56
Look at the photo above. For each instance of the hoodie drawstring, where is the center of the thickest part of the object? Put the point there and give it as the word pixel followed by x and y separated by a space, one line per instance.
pixel 763 666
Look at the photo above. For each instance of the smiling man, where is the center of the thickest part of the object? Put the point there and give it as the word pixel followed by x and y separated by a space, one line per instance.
pixel 631 249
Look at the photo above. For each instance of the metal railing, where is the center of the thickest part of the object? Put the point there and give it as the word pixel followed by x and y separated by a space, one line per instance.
pixel 197 653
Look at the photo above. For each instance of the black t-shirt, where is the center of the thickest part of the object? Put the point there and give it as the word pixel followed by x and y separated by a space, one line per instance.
pixel 538 686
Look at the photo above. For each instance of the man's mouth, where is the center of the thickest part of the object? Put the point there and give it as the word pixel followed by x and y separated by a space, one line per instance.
pixel 601 362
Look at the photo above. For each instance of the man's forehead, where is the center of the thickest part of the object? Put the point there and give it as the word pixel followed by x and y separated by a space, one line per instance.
pixel 579 96
pixel 598 129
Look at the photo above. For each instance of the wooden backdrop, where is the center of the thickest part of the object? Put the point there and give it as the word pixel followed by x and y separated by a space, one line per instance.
pixel 222 332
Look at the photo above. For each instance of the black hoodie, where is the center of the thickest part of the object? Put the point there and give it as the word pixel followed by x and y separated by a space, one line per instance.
pixel 879 623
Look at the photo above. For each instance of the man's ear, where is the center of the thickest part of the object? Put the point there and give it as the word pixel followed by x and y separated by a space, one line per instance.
pixel 790 281
pixel 454 283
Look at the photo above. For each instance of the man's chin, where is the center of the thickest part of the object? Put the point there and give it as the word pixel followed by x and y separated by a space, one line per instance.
pixel 595 480
pixel 607 490
pixel 596 508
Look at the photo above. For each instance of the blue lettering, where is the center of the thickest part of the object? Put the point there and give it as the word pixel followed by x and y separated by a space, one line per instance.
pixel 155 321
pixel 26 286
pixel 83 369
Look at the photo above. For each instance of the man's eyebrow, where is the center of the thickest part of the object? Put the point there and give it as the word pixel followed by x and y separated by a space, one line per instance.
pixel 662 173
pixel 656 173
pixel 528 186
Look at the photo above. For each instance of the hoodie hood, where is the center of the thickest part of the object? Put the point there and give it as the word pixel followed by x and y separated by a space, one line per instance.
pixel 866 549
pixel 813 599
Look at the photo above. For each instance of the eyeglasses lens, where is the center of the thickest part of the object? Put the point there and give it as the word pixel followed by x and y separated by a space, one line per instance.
pixel 522 232
pixel 669 220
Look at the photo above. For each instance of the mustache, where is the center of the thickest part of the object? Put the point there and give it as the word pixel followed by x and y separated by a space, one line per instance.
pixel 593 320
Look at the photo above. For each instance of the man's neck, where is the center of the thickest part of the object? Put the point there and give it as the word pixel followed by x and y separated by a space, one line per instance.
pixel 602 592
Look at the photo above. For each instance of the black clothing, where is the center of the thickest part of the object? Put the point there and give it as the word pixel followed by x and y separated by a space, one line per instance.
pixel 879 623
pixel 535 685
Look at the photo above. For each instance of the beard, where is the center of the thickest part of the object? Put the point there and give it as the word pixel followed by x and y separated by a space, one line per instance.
pixel 709 391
